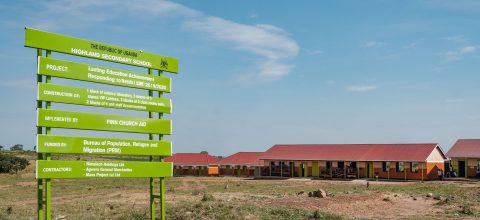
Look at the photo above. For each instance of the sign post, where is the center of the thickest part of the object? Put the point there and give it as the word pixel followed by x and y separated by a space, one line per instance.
pixel 46 168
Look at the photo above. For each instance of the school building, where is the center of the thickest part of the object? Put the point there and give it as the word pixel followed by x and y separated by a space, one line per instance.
pixel 191 164
pixel 384 161
pixel 246 164
pixel 465 158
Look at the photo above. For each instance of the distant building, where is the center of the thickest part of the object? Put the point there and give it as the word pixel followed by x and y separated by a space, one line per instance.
pixel 191 164
pixel 384 161
pixel 465 157
pixel 241 164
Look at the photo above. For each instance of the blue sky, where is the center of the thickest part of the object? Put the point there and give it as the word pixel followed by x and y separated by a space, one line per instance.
pixel 258 73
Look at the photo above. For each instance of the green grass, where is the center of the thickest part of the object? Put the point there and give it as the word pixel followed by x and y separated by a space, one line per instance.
pixel 222 210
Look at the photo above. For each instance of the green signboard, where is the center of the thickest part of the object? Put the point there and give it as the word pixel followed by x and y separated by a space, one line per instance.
pixel 101 169
pixel 101 122
pixel 91 49
pixel 99 74
pixel 47 118
pixel 97 145
pixel 101 98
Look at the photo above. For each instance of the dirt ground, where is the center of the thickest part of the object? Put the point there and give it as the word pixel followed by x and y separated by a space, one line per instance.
pixel 242 198
pixel 374 204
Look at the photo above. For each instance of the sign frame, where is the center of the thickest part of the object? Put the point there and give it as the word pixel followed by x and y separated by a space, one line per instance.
pixel 48 42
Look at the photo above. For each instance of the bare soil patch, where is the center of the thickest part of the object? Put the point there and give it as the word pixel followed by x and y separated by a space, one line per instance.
pixel 378 205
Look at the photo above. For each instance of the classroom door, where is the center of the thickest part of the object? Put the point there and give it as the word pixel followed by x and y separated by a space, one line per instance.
pixel 369 169
pixel 304 170
pixel 461 168
pixel 315 169
pixel 446 166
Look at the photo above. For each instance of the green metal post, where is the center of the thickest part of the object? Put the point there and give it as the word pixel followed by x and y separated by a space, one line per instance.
pixel 152 196
pixel 162 194
pixel 39 157
pixel 152 180
pixel 48 187
pixel 162 179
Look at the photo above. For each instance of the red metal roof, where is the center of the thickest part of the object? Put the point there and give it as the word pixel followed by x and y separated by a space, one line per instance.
pixel 352 152
pixel 465 148
pixel 191 159
pixel 242 158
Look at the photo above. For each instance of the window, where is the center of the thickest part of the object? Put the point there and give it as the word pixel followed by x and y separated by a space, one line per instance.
pixel 329 165
pixel 478 166
pixel 414 167
pixel 340 164
pixel 385 166
pixel 353 165
pixel 399 167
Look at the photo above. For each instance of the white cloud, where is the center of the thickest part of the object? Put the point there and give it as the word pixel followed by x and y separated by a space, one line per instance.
pixel 457 39
pixel 361 88
pixel 412 45
pixel 313 52
pixel 87 12
pixel 18 83
pixel 160 7
pixel 373 44
pixel 272 45
pixel 468 49
pixel 458 54
pixel 254 15
pixel 273 70
pixel 439 69
pixel 455 5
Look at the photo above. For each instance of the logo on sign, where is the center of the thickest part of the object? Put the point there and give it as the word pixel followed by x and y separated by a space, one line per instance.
pixel 164 64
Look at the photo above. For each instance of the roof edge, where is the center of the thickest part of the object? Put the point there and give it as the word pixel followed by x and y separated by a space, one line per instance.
pixel 352 160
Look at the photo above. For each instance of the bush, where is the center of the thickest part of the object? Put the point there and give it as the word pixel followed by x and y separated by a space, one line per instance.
pixel 467 210
pixel 12 164
pixel 207 197
pixel 17 147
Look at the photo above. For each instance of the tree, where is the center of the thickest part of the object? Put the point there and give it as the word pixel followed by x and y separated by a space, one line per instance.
pixel 12 164
pixel 1 147
pixel 204 152
pixel 17 147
